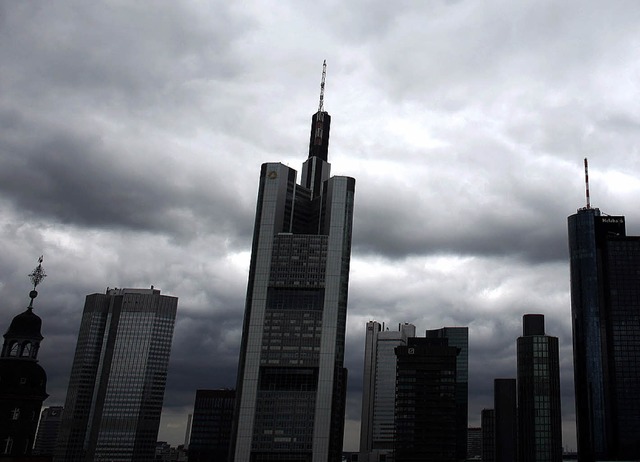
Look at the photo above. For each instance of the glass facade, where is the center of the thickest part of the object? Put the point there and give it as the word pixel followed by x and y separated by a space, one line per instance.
pixel 291 381
pixel 459 337
pixel 488 422
pixel 425 410
pixel 211 427
pixel 539 412
pixel 118 376
pixel 605 294
pixel 377 427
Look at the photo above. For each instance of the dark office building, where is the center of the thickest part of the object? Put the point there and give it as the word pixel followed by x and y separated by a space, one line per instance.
pixel 118 376
pixel 23 381
pixel 48 428
pixel 605 306
pixel 211 425
pixel 459 337
pixel 539 412
pixel 426 401
pixel 474 443
pixel 488 423
pixel 506 420
pixel 291 387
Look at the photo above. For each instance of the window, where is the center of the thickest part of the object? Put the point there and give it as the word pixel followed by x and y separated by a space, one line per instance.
pixel 26 350
pixel 8 445
pixel 13 349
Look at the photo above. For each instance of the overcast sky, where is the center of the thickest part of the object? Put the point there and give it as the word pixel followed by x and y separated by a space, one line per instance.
pixel 132 134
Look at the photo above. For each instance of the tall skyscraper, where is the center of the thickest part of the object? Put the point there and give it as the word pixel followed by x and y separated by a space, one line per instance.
pixel 211 425
pixel 459 337
pixel 506 420
pixel 291 380
pixel 539 412
pixel 605 308
pixel 23 381
pixel 48 429
pixel 426 401
pixel 118 376
pixel 377 427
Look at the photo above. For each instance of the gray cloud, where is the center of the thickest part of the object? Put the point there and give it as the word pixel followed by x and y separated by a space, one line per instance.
pixel 131 140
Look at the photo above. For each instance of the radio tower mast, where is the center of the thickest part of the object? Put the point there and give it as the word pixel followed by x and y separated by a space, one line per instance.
pixel 324 75
pixel 586 181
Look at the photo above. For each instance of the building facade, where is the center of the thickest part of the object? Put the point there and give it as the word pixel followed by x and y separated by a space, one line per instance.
pixel 488 423
pixel 605 310
pixel 474 443
pixel 377 425
pixel 48 429
pixel 118 377
pixel 539 412
pixel 211 425
pixel 425 411
pixel 459 337
pixel 291 381
pixel 506 420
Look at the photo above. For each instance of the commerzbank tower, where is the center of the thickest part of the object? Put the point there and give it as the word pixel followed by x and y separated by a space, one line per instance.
pixel 291 377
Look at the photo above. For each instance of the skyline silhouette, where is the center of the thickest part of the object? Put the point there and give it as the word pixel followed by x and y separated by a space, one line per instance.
pixel 131 139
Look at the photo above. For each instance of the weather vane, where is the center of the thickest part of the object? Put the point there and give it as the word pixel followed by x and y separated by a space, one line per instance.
pixel 36 276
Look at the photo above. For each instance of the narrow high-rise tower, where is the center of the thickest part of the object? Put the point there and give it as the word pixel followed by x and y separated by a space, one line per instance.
pixel 291 379
pixel 118 376
pixel 377 426
pixel 458 337
pixel 539 413
pixel 605 309
pixel 425 413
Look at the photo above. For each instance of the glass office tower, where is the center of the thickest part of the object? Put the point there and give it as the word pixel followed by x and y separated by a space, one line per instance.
pixel 211 426
pixel 425 411
pixel 291 380
pixel 605 308
pixel 539 412
pixel 377 425
pixel 459 337
pixel 118 376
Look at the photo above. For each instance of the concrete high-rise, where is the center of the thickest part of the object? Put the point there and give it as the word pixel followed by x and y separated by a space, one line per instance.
pixel 291 379
pixel 539 412
pixel 605 308
pixel 118 377
pixel 377 425
pixel 459 337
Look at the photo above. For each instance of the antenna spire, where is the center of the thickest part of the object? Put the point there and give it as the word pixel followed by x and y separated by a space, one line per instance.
pixel 586 181
pixel 324 75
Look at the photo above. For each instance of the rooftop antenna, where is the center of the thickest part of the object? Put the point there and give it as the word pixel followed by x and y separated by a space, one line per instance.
pixel 586 181
pixel 324 75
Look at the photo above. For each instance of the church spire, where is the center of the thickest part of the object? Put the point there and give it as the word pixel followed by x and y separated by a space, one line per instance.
pixel 36 276
pixel 22 339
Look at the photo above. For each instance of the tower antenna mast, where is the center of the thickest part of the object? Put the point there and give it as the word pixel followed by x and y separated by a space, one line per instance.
pixel 324 75
pixel 586 181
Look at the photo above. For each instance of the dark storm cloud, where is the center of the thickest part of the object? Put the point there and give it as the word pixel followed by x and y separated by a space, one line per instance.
pixel 74 179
